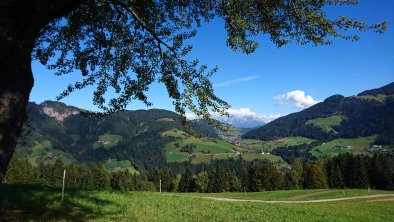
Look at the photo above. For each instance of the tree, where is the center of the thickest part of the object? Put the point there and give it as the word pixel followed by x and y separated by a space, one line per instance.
pixel 186 182
pixel 290 180
pixel 298 170
pixel 315 177
pixel 128 44
pixel 202 182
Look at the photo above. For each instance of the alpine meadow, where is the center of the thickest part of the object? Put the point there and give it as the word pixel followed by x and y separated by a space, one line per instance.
pixel 253 110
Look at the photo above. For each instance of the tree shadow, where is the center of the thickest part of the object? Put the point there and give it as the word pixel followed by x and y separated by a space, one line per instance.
pixel 20 202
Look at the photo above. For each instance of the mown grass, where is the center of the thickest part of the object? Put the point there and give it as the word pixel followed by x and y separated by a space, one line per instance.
pixel 114 164
pixel 359 146
pixel 175 133
pixel 271 145
pixel 28 203
pixel 327 123
pixel 201 147
pixel 45 152
pixel 107 141
pixel 254 144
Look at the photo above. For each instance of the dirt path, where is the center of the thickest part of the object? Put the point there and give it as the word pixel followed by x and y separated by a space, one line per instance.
pixel 301 201
pixel 308 195
pixel 383 197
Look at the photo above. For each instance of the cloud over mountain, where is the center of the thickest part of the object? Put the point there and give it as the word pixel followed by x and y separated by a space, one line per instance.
pixel 242 117
pixel 297 99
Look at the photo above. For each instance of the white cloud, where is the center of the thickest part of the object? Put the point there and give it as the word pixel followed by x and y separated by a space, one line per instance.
pixel 298 97
pixel 242 117
pixel 191 116
pixel 231 82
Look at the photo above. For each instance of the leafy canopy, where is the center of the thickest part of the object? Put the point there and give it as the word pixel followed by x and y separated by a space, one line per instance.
pixel 126 45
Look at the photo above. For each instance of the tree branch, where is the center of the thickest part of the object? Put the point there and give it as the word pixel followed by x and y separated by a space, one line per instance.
pixel 143 24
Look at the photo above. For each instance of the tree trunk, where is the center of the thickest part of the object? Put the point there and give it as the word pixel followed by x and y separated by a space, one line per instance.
pixel 20 24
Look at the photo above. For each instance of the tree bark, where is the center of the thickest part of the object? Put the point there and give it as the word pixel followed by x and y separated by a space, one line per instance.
pixel 20 25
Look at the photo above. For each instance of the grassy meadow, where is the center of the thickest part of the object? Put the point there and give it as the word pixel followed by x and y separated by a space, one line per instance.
pixel 44 151
pixel 33 203
pixel 326 123
pixel 359 146
pixel 271 145
pixel 107 141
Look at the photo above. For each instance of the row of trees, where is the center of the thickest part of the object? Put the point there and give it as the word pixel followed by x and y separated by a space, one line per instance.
pixel 343 171
pixel 78 176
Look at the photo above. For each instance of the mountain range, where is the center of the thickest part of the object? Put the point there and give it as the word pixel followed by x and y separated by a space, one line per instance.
pixel 154 138
pixel 369 113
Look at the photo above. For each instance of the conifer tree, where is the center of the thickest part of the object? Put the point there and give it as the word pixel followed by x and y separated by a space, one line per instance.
pixel 186 182
pixel 202 181
pixel 315 177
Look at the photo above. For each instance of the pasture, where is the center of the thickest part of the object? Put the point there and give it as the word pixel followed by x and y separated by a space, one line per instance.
pixel 45 152
pixel 107 141
pixel 33 203
pixel 358 146
pixel 327 123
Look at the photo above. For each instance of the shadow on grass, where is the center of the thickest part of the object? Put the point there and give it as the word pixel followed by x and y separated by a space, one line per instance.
pixel 20 202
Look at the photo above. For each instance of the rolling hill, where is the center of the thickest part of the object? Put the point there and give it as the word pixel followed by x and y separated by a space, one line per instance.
pixel 357 124
pixel 55 129
pixel 369 113
pixel 145 139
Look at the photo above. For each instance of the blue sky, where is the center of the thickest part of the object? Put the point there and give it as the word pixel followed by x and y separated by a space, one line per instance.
pixel 266 82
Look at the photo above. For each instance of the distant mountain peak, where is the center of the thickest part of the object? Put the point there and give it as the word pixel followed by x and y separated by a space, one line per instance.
pixel 334 98
pixel 58 110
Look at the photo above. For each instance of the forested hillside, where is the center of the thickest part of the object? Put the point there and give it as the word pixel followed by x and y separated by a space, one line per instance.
pixel 55 129
pixel 369 113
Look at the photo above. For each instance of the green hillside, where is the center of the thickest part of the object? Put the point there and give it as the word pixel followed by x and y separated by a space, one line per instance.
pixel 204 150
pixel 107 141
pixel 369 113
pixel 326 124
pixel 200 149
pixel 56 129
pixel 355 145
pixel 44 152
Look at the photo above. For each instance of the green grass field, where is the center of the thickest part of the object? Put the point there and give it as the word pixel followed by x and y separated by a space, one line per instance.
pixel 107 141
pixel 326 123
pixel 254 144
pixel 113 164
pixel 30 203
pixel 175 133
pixel 271 145
pixel 359 146
pixel 202 147
pixel 45 152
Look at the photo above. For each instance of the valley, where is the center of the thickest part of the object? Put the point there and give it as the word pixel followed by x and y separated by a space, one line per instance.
pixel 357 125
